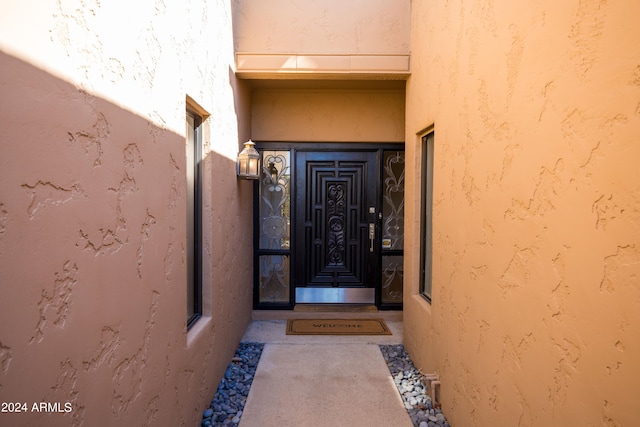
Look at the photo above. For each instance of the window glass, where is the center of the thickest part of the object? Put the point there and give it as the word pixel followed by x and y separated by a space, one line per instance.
pixel 194 221
pixel 274 278
pixel 426 210
pixel 274 227
pixel 393 201
pixel 275 201
pixel 392 227
pixel 392 279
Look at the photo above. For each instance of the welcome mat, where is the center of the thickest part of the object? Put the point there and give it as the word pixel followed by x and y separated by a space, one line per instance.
pixel 337 327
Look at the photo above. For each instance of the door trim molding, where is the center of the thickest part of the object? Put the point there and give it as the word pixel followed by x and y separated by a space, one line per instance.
pixel 328 146
pixel 296 146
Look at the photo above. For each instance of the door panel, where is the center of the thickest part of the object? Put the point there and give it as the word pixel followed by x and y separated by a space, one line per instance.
pixel 335 203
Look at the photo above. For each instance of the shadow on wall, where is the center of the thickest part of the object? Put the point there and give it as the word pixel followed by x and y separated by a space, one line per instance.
pixel 92 263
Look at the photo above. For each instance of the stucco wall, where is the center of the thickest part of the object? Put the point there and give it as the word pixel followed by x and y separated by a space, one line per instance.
pixel 324 27
pixel 327 115
pixel 329 37
pixel 536 245
pixel 93 210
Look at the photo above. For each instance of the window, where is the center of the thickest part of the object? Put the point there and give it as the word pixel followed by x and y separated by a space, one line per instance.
pixel 392 227
pixel 274 250
pixel 425 220
pixel 194 216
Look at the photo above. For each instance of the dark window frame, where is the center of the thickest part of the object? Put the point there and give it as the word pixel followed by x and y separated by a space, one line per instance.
pixel 426 211
pixel 194 241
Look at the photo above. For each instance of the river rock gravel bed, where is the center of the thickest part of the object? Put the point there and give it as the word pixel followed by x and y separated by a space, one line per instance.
pixel 228 402
pixel 412 388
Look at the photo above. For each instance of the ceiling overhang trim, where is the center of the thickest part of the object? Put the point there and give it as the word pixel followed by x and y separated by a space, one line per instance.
pixel 257 65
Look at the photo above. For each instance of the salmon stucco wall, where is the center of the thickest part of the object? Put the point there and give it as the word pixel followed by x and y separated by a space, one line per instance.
pixel 334 115
pixel 93 211
pixel 305 39
pixel 326 27
pixel 536 210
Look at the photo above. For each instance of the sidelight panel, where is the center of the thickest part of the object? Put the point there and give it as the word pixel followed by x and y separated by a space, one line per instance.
pixel 393 201
pixel 392 279
pixel 274 278
pixel 391 275
pixel 274 225
pixel 275 201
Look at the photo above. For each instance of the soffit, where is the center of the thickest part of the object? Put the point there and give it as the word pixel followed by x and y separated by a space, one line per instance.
pixel 268 65
pixel 327 84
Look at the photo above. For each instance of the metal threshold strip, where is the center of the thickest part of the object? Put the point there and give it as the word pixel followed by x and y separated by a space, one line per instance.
pixel 335 295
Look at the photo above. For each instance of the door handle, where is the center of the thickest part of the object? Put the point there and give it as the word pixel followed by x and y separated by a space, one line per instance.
pixel 372 236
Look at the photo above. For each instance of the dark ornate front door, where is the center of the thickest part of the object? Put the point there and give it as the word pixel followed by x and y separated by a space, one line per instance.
pixel 336 213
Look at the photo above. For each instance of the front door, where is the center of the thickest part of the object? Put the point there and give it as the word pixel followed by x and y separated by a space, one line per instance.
pixel 329 224
pixel 336 216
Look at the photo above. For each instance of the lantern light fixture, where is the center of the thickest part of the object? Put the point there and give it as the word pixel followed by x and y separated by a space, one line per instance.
pixel 248 166
pixel 273 172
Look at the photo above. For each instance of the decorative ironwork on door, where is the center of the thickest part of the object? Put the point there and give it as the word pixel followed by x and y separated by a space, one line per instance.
pixel 332 217
pixel 275 227
pixel 336 224
pixel 329 220
pixel 392 227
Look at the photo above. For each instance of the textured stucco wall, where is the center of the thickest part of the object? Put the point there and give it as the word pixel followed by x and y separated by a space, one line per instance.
pixel 93 209
pixel 328 115
pixel 536 244
pixel 323 27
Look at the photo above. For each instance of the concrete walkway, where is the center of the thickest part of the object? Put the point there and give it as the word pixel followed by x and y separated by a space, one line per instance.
pixel 321 381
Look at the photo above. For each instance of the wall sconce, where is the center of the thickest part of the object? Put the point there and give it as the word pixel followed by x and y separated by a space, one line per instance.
pixel 273 172
pixel 248 165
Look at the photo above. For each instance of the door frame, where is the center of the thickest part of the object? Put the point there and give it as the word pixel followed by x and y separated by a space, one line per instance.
pixel 328 147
